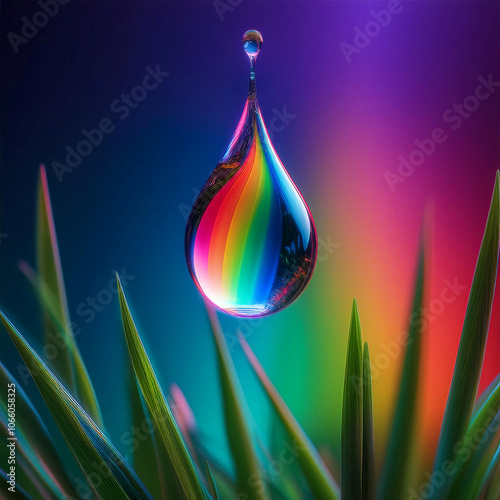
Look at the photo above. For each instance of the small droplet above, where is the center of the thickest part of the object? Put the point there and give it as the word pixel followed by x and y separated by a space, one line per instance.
pixel 252 42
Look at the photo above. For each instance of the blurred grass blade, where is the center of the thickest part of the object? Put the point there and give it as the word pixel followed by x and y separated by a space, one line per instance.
pixel 474 474
pixel 170 441
pixel 473 340
pixel 212 487
pixel 146 459
pixel 249 481
pixel 491 490
pixel 480 423
pixel 183 415
pixel 19 492
pixel 109 475
pixel 35 476
pixel 49 267
pixel 320 482
pixel 485 395
pixel 49 284
pixel 351 479
pixel 396 464
pixel 84 389
pixel 368 451
pixel 30 426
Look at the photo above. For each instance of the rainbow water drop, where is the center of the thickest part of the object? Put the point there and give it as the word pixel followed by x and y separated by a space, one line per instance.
pixel 250 239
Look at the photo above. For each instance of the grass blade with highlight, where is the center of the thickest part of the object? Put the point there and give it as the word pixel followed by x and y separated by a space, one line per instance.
pixel 170 440
pixel 33 430
pixel 395 469
pixel 351 478
pixel 320 482
pixel 110 476
pixel 49 285
pixel 249 482
pixel 50 270
pixel 368 450
pixel 146 460
pixel 480 423
pixel 473 340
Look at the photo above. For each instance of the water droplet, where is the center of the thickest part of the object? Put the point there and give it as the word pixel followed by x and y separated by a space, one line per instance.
pixel 250 239
pixel 252 42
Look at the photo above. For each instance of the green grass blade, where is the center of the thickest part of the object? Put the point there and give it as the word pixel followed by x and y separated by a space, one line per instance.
pixel 50 269
pixel 212 487
pixel 475 435
pixel 351 475
pixel 84 388
pixel 320 482
pixel 368 450
pixel 491 490
pixel 49 285
pixel 35 477
pixel 170 441
pixel 395 469
pixel 110 476
pixel 474 474
pixel 485 395
pixel 249 481
pixel 146 459
pixel 31 427
pixel 473 340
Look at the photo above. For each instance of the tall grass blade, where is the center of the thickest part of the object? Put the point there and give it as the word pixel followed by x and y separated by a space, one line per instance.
pixel 249 481
pixel 395 469
pixel 473 340
pixel 351 474
pixel 170 441
pixel 368 449
pixel 320 482
pixel 110 477
pixel 50 269
pixel 146 459
pixel 49 285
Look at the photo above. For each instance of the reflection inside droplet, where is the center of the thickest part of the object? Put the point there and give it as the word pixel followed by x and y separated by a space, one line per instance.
pixel 250 238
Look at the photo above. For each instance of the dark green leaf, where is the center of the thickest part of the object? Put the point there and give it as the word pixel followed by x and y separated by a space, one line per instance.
pixel 473 340
pixel 351 480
